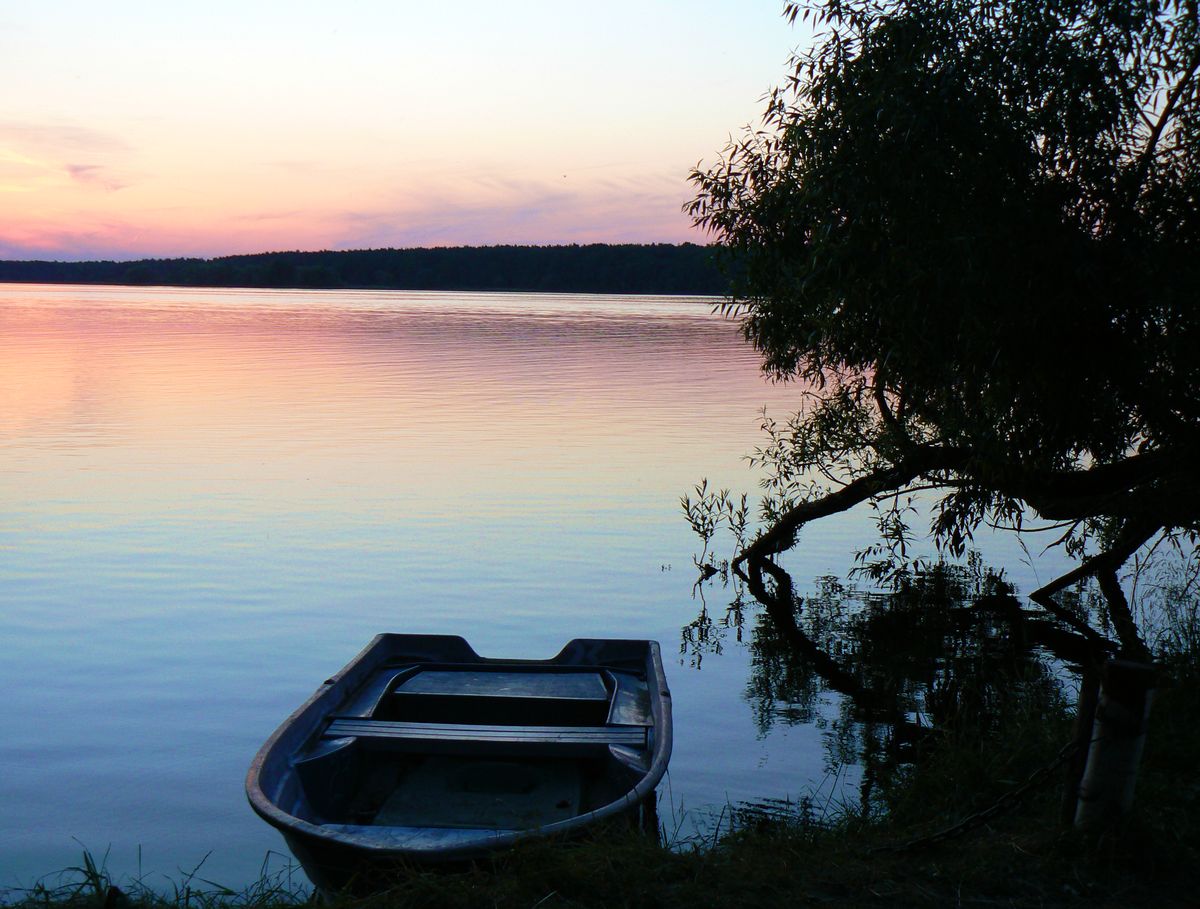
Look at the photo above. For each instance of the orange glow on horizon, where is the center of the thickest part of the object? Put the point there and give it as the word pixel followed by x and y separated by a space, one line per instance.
pixel 234 128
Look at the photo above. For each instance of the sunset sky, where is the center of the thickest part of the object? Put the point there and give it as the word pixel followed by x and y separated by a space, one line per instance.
pixel 133 129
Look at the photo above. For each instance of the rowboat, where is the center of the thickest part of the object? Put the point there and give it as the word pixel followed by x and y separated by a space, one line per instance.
pixel 422 751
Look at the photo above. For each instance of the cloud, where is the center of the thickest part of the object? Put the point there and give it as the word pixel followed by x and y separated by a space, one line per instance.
pixel 38 154
pixel 501 210
pixel 94 175
pixel 65 139
pixel 101 240
pixel 465 209
pixel 286 216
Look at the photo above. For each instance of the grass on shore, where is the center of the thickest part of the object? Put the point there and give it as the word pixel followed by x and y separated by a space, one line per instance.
pixel 1022 858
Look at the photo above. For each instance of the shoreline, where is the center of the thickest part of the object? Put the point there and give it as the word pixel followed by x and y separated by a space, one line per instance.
pixel 601 268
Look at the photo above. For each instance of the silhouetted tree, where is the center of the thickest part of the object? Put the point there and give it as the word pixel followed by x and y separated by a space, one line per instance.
pixel 972 231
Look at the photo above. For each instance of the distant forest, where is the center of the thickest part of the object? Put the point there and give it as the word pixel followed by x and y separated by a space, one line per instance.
pixel 659 268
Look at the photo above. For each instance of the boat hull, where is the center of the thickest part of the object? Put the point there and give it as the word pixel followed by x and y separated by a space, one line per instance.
pixel 421 752
pixel 333 868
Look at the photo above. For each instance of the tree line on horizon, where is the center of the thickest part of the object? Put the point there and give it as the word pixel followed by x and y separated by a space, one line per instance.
pixel 658 268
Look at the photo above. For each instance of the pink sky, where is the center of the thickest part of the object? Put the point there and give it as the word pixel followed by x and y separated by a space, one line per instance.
pixel 139 129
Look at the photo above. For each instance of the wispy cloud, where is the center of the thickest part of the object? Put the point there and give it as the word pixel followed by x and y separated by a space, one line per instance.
pixel 467 209
pixel 499 210
pixel 95 175
pixel 59 137
pixel 90 240
pixel 43 152
pixel 261 216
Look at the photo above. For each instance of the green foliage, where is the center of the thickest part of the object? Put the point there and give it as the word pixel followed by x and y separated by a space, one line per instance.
pixel 971 229
pixel 711 510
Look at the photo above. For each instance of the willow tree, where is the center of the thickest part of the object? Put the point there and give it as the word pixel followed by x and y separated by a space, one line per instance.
pixel 971 232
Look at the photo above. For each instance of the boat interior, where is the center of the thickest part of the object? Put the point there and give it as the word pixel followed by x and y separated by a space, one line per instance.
pixel 497 748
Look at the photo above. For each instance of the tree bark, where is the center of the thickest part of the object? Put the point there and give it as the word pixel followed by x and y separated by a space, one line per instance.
pixel 1118 737
pixel 1085 719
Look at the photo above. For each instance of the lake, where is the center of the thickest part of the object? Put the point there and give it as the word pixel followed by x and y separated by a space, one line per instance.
pixel 212 499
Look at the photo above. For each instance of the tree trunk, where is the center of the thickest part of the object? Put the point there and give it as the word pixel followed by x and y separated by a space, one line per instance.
pixel 1085 719
pixel 1118 736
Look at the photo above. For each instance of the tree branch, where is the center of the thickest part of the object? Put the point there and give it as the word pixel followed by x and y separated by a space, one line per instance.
pixel 1132 644
pixel 1132 487
pixel 1147 155
pixel 1132 538
pixel 782 533
pixel 1159 482
pixel 885 410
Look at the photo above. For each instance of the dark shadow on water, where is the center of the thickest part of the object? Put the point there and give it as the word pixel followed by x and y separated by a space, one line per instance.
pixel 949 648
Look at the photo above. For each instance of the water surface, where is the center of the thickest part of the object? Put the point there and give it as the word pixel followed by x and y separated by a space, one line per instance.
pixel 212 499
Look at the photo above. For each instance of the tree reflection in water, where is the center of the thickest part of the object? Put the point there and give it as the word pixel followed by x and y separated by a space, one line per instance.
pixel 948 649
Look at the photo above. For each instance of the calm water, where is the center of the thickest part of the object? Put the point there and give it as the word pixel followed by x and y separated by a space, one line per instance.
pixel 212 499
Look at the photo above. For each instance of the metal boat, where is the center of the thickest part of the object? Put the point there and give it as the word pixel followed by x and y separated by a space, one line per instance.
pixel 422 751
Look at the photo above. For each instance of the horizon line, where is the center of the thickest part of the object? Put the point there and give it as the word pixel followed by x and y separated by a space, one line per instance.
pixel 306 252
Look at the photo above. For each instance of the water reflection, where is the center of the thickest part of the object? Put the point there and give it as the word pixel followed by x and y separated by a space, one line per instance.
pixel 949 648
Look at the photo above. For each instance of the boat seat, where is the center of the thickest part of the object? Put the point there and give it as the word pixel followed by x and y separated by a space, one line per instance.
pixel 463 738
pixel 497 697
